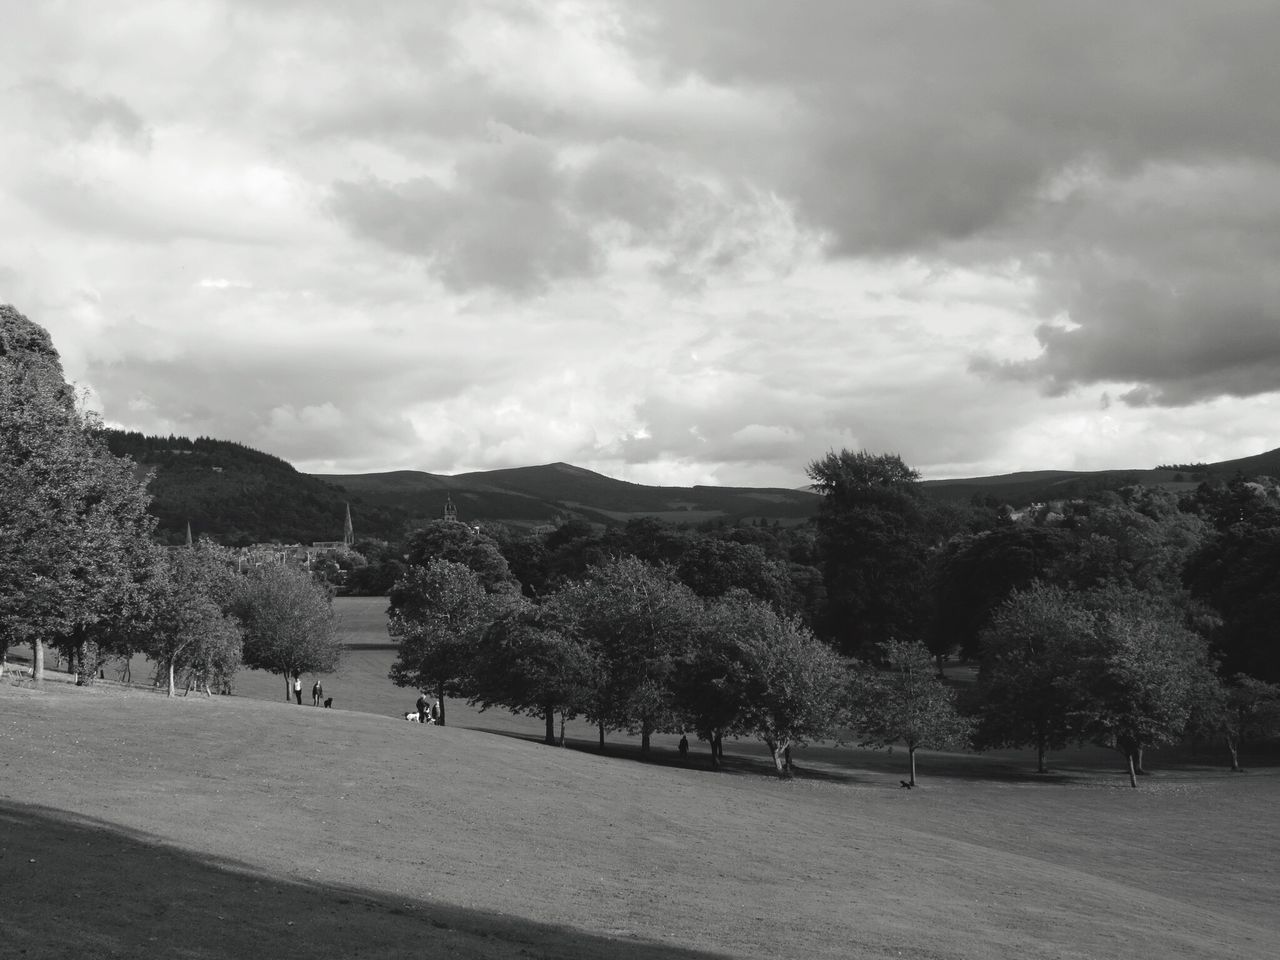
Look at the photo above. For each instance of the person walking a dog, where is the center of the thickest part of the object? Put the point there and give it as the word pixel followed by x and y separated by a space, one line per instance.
pixel 317 692
pixel 297 688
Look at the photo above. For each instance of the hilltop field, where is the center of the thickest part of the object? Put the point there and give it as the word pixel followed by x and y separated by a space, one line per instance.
pixel 136 826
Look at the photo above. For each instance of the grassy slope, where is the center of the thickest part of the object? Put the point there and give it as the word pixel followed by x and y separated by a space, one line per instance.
pixel 135 826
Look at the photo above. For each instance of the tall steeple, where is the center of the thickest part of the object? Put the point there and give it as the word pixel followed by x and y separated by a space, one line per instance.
pixel 188 534
pixel 348 532
pixel 450 511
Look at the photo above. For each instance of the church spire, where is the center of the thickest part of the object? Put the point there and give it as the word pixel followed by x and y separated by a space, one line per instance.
pixel 450 511
pixel 188 534
pixel 348 532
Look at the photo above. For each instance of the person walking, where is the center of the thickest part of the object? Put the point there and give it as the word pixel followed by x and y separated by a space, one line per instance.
pixel 317 692
pixel 297 688
pixel 422 708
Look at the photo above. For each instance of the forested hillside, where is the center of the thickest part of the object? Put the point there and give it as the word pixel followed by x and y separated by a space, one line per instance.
pixel 236 494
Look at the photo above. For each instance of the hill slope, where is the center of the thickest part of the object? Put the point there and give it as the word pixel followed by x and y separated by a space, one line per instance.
pixel 227 828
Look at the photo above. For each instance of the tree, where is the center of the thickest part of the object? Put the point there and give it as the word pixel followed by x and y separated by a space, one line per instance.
pixel 459 543
pixel 181 624
pixel 873 539
pixel 288 622
pixel 1240 710
pixel 73 523
pixel 526 663
pixel 638 623
pixel 1026 680
pixel 439 612
pixel 758 673
pixel 1237 572
pixel 906 703
pixel 1141 672
pixel 975 573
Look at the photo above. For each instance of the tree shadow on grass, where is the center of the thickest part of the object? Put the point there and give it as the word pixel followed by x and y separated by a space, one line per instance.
pixel 78 887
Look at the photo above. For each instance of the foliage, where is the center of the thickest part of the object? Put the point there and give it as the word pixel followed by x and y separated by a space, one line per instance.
pixel 526 663
pixel 439 612
pixel 906 703
pixel 288 622
pixel 1027 678
pixel 73 523
pixel 975 573
pixel 638 623
pixel 756 673
pixel 1237 572
pixel 1141 673
pixel 458 543
pixel 182 625
pixel 874 539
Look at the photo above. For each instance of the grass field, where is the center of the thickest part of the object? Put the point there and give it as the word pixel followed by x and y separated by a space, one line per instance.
pixel 136 826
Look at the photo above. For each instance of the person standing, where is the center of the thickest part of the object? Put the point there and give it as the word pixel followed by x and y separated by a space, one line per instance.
pixel 317 692
pixel 684 748
pixel 297 688
pixel 435 712
pixel 422 708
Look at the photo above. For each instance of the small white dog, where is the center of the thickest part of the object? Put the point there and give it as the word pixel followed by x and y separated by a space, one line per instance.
pixel 412 716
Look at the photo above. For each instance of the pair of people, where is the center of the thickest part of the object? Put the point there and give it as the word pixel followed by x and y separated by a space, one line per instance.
pixel 317 691
pixel 428 710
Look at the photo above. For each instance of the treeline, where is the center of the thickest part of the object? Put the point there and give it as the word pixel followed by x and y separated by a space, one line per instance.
pixel 1130 618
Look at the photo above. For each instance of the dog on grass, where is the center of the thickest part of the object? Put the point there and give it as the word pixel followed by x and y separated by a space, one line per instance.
pixel 411 716
pixel 328 702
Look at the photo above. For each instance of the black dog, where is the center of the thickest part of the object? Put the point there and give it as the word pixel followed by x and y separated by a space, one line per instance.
pixel 328 702
pixel 905 785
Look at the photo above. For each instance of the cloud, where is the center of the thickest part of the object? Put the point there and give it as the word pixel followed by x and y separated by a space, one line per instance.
pixel 666 240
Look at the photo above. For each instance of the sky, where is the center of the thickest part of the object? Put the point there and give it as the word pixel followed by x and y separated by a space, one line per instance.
pixel 676 242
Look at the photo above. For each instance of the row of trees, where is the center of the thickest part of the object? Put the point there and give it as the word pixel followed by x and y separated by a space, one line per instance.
pixel 79 568
pixel 629 647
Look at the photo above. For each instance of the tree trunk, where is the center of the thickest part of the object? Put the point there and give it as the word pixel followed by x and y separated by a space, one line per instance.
pixel 288 688
pixel 549 715
pixel 1235 755
pixel 911 752
pixel 1040 748
pixel 440 700
pixel 1133 776
pixel 717 748
pixel 561 728
pixel 37 659
pixel 171 678
pixel 600 724
pixel 778 750
pixel 1142 771
pixel 645 731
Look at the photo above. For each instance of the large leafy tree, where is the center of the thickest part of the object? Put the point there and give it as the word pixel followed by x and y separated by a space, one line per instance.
pixel 906 703
pixel 1142 672
pixel 873 541
pixel 1239 711
pixel 288 622
pixel 758 673
pixel 73 524
pixel 182 624
pixel 439 612
pixel 525 662
pixel 459 543
pixel 638 623
pixel 1027 680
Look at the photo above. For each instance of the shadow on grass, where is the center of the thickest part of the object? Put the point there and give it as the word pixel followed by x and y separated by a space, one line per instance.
pixel 78 887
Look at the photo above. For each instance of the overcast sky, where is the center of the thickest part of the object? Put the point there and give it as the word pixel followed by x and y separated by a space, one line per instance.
pixel 693 241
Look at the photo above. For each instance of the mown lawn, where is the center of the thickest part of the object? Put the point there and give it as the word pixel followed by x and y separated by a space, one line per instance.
pixel 132 825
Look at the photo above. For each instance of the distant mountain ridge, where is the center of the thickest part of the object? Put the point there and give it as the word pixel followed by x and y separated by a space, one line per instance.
pixel 239 495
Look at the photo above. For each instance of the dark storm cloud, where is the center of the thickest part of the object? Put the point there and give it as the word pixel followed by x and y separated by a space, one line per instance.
pixel 1034 133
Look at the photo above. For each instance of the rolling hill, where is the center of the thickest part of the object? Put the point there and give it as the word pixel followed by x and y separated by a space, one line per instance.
pixel 240 495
